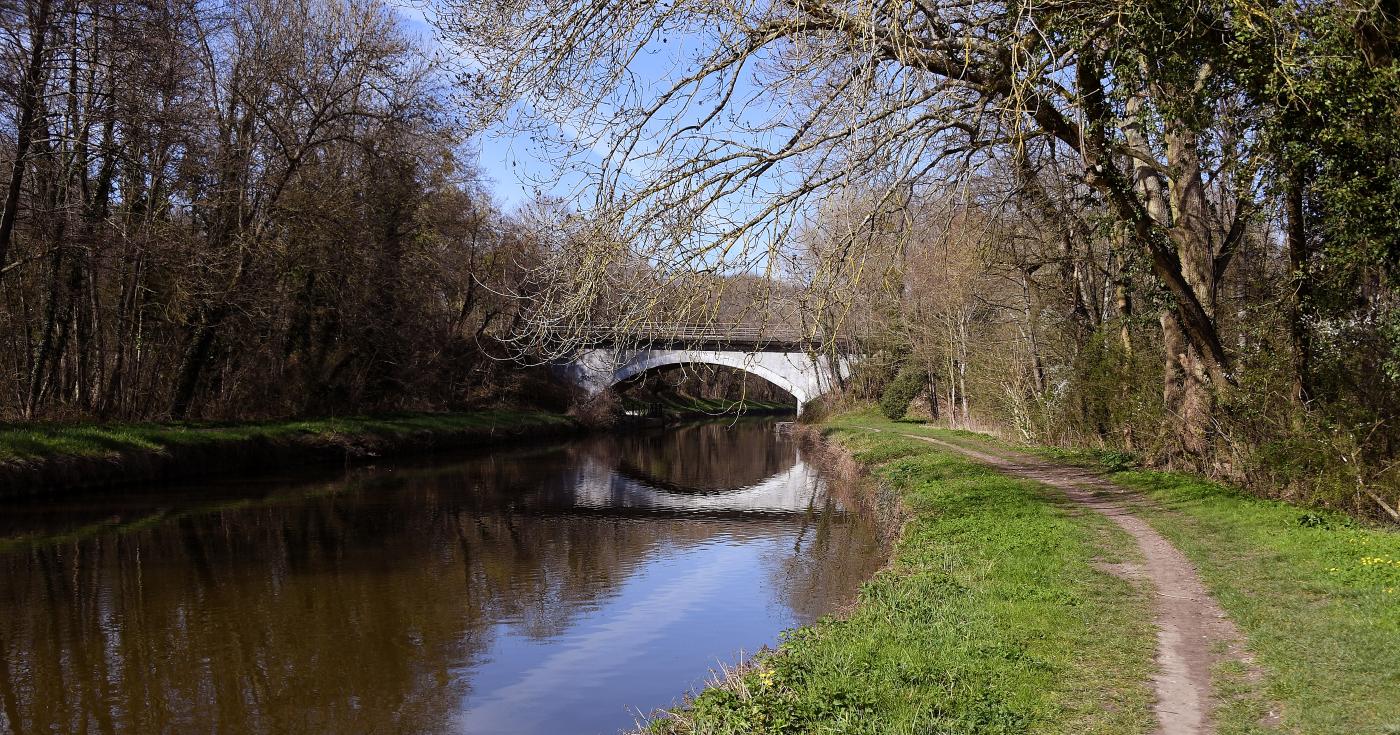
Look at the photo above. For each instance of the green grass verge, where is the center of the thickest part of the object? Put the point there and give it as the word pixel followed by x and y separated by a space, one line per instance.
pixel 992 617
pixel 31 442
pixel 1316 593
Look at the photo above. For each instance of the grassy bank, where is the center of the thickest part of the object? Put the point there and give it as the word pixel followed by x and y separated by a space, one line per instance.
pixel 1317 594
pixel 993 617
pixel 48 457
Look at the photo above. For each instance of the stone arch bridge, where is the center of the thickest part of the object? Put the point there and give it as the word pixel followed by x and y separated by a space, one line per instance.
pixel 795 365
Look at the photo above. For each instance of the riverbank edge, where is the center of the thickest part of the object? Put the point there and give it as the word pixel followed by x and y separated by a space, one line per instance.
pixel 732 701
pixel 157 453
pixel 870 494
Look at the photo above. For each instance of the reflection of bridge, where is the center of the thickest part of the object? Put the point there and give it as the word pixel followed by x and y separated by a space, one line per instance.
pixel 788 491
pixel 791 362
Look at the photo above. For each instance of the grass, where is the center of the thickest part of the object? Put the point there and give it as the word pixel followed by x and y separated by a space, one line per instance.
pixel 992 617
pixel 24 443
pixel 1316 593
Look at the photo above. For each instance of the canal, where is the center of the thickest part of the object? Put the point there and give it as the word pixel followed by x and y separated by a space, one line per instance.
pixel 563 588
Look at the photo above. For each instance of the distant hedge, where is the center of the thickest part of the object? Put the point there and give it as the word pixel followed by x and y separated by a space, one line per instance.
pixel 901 391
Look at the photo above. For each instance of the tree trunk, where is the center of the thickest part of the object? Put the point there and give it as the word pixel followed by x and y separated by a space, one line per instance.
pixel 1185 261
pixel 193 360
pixel 1188 405
pixel 30 99
pixel 952 392
pixel 1196 242
pixel 962 367
pixel 54 331
pixel 1032 312
pixel 1123 307
pixel 1297 293
pixel 932 395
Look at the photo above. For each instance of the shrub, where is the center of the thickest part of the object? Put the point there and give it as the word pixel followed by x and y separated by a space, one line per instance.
pixel 816 410
pixel 907 384
pixel 602 411
pixel 871 377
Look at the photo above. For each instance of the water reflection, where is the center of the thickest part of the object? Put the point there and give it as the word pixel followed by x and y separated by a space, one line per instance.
pixel 549 590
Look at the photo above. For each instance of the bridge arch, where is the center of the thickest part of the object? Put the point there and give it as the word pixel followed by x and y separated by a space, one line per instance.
pixel 798 373
pixel 737 360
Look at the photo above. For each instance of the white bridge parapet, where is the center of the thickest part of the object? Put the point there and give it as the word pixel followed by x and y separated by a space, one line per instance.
pixel 806 376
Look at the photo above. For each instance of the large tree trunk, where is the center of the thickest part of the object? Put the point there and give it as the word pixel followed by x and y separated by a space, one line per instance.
pixel 1170 223
pixel 1185 396
pixel 1198 362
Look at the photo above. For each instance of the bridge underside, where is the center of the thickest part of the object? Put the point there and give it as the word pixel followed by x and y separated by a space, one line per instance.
pixel 803 375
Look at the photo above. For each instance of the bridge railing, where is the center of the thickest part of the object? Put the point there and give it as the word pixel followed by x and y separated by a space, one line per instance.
pixel 684 334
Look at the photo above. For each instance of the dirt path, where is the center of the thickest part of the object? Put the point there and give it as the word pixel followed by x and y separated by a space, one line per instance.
pixel 1192 629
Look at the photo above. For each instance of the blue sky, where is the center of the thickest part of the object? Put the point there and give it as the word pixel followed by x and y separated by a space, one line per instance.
pixel 510 164
pixel 555 160
pixel 518 167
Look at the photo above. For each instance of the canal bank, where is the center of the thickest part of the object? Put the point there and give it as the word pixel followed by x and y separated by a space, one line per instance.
pixel 48 458
pixel 1010 605
pixel 990 616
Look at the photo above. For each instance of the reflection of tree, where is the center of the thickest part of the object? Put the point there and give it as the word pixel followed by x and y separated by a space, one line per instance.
pixel 832 554
pixel 348 609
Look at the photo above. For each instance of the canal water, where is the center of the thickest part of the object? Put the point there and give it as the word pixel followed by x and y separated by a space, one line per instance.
pixel 562 588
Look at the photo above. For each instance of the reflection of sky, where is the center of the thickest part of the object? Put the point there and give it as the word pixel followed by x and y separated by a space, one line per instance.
pixel 682 610
pixel 682 613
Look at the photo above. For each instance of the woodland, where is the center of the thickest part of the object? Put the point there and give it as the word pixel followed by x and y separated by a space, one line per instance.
pixel 1164 230
pixel 239 210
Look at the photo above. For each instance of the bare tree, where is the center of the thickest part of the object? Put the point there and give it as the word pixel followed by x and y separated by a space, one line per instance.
pixel 768 107
pixel 229 209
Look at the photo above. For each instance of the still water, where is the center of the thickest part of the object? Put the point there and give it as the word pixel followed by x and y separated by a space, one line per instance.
pixel 563 588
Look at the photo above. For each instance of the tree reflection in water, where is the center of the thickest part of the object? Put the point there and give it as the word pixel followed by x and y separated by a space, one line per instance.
pixel 541 589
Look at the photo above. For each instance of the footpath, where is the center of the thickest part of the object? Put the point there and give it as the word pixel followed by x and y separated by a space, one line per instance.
pixel 1193 633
